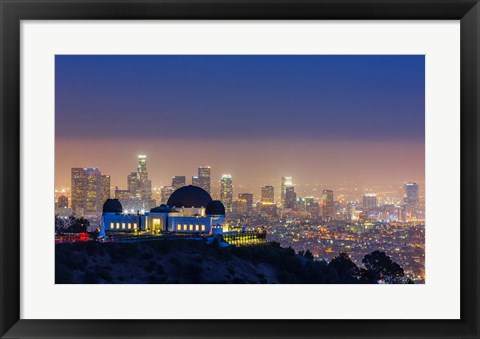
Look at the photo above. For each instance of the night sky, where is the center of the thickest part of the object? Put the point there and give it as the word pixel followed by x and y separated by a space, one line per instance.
pixel 317 118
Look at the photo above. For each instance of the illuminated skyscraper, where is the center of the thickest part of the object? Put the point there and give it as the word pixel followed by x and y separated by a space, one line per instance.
pixel 86 190
pixel 132 184
pixel 62 202
pixel 129 202
pixel 166 192
pixel 248 197
pixel 327 204
pixel 411 200
pixel 122 194
pixel 140 186
pixel 204 178
pixel 240 206
pixel 196 181
pixel 178 181
pixel 226 191
pixel 286 182
pixel 312 207
pixel 369 201
pixel 145 185
pixel 352 208
pixel 105 189
pixel 300 204
pixel 268 194
pixel 290 197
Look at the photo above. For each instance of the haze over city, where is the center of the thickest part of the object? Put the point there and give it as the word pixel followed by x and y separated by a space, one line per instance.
pixel 321 119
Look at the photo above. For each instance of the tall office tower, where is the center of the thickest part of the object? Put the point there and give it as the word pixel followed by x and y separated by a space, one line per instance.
pixel 351 208
pixel 178 181
pixel 122 194
pixel 268 195
pixel 195 181
pixel 248 197
pixel 62 202
pixel 286 182
pixel 132 184
pixel 328 209
pixel 369 201
pixel 300 204
pixel 226 191
pixel 204 178
pixel 105 188
pixel 290 197
pixel 86 190
pixel 144 183
pixel 165 193
pixel 411 200
pixel 129 202
pixel 240 206
pixel 312 207
pixel 79 190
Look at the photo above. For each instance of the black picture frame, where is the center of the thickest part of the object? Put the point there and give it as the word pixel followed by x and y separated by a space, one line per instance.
pixel 13 11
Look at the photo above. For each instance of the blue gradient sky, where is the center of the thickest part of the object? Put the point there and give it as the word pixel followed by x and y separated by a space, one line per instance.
pixel 145 103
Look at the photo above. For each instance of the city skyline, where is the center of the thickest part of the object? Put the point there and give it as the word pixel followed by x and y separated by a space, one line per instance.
pixel 212 183
pixel 315 157
pixel 355 118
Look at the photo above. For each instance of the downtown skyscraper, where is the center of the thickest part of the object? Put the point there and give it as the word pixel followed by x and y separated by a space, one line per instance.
pixel 411 200
pixel 86 186
pixel 286 182
pixel 203 179
pixel 178 181
pixel 226 191
pixel 268 196
pixel 369 201
pixel 290 197
pixel 248 198
pixel 104 188
pixel 328 210
pixel 139 185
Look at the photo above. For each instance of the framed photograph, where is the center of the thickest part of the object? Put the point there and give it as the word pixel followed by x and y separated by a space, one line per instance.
pixel 239 169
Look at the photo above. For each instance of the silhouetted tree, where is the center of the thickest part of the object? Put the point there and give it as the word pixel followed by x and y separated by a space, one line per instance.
pixel 342 270
pixel 308 255
pixel 380 268
pixel 275 244
pixel 290 251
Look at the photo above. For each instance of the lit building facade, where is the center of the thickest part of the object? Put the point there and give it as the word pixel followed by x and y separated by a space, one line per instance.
pixel 300 204
pixel 62 202
pixel 312 207
pixel 144 190
pixel 240 206
pixel 226 191
pixel 204 178
pixel 369 201
pixel 328 210
pixel 268 194
pixel 411 200
pixel 290 197
pixel 104 189
pixel 178 181
pixel 86 190
pixel 286 182
pixel 165 193
pixel 248 198
pixel 132 184
pixel 189 209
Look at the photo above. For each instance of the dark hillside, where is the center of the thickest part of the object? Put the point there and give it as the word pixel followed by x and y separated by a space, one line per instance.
pixel 190 261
